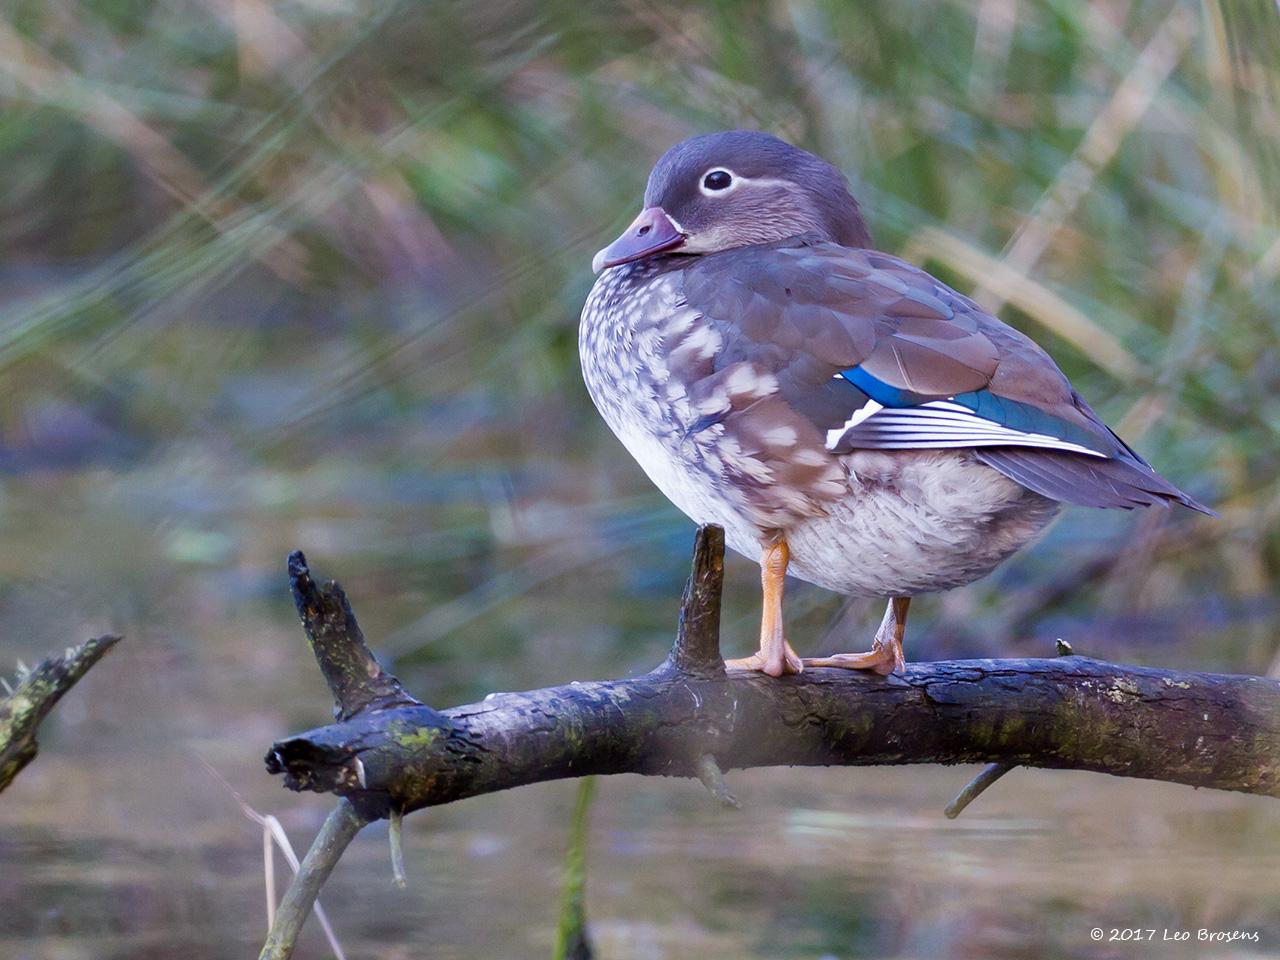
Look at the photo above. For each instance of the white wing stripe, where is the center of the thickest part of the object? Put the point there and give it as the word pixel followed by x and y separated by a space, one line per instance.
pixel 862 413
pixel 938 423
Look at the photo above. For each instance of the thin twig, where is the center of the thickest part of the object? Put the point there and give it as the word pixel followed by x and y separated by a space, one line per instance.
pixel 395 836
pixel 273 832
pixel 993 771
pixel 990 774
pixel 339 829
pixel 275 828
pixel 713 779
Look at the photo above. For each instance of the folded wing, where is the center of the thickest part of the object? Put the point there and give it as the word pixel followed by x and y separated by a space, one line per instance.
pixel 877 354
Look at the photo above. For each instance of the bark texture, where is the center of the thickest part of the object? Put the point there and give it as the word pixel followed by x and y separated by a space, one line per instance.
pixel 688 718
pixel 38 690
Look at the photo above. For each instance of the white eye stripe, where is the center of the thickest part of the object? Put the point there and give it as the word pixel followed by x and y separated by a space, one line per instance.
pixel 765 181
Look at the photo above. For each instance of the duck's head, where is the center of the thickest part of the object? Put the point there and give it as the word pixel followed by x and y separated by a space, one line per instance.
pixel 732 189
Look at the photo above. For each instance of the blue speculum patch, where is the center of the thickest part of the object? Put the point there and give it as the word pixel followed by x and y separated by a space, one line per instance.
pixel 1013 414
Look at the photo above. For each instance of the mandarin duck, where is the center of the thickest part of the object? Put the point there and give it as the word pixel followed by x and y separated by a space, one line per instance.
pixel 844 416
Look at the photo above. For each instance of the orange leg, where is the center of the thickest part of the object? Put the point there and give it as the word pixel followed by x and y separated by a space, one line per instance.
pixel 775 656
pixel 885 656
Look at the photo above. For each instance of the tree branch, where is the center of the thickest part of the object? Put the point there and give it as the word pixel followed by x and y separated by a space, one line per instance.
pixel 1201 729
pixel 356 680
pixel 38 690
pixel 388 753
pixel 696 651
pixel 340 828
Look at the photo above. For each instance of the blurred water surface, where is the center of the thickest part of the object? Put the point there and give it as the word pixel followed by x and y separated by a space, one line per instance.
pixel 308 275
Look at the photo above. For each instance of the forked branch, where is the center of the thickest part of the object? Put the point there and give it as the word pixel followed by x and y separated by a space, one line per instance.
pixel 689 718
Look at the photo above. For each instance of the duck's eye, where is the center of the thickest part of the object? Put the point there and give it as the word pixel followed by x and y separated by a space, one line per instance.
pixel 717 180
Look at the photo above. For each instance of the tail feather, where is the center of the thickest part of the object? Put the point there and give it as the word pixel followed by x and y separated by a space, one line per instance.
pixel 1089 481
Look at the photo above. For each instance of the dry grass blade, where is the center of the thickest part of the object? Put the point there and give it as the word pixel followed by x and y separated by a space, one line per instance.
pixel 1132 98
pixel 273 827
pixel 1033 298
pixel 52 81
pixel 269 873
pixel 992 43
pixel 273 832
pixel 573 942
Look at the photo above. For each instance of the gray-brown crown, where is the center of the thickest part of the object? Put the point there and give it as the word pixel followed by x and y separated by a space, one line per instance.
pixel 783 191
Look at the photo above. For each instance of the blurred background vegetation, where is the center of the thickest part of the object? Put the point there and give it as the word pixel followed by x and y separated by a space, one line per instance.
pixel 307 274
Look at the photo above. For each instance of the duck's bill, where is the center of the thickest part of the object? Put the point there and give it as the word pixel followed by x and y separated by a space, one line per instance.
pixel 651 233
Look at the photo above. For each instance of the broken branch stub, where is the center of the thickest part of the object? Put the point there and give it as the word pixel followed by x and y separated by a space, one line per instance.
pixel 356 679
pixel 37 691
pixel 696 650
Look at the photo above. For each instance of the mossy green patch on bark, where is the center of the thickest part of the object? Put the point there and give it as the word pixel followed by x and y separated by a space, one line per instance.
pixel 415 738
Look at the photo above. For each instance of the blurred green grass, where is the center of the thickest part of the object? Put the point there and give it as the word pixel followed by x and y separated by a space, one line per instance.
pixel 308 274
